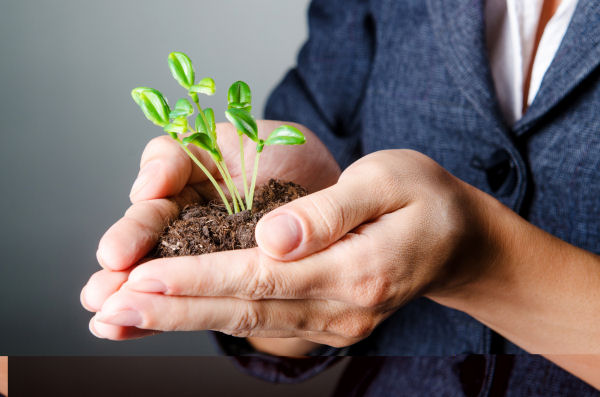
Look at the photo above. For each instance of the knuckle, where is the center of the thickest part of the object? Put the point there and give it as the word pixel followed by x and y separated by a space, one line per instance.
pixel 259 281
pixel 357 329
pixel 372 290
pixel 374 166
pixel 384 180
pixel 331 215
pixel 352 325
pixel 246 321
pixel 380 170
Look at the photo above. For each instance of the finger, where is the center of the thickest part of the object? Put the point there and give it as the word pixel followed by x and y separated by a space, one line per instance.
pixel 165 169
pixel 345 272
pixel 245 274
pixel 266 318
pixel 134 235
pixel 101 285
pixel 309 224
pixel 116 332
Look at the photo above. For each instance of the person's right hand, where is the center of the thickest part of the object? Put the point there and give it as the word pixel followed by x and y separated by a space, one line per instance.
pixel 167 181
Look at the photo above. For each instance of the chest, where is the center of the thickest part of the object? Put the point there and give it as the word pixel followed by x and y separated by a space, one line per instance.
pixel 413 101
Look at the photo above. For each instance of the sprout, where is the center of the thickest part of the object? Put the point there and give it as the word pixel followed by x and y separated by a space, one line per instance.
pixel 181 69
pixel 183 108
pixel 204 132
pixel 153 105
pixel 240 97
pixel 283 135
pixel 206 86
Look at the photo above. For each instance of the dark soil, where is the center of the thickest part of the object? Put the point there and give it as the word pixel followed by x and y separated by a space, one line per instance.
pixel 204 228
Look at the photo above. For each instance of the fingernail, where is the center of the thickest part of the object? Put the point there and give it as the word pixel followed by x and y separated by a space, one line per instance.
pixel 144 177
pixel 83 300
pixel 280 234
pixel 93 329
pixel 125 318
pixel 147 285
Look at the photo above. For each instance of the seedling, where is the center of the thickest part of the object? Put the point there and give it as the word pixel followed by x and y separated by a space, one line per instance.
pixel 203 133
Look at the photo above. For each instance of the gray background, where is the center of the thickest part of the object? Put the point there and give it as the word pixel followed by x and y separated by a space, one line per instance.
pixel 71 139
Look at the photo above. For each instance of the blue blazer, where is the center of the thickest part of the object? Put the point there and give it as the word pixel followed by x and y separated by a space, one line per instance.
pixel 414 74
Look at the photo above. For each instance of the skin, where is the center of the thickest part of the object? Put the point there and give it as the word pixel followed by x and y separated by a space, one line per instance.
pixel 4 375
pixel 549 8
pixel 172 174
pixel 394 226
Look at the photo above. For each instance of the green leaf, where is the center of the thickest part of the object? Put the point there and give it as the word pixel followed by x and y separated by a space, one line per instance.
pixel 237 105
pixel 183 107
pixel 285 135
pixel 203 141
pixel 210 119
pixel 240 95
pixel 244 122
pixel 205 86
pixel 181 69
pixel 179 126
pixel 201 126
pixel 153 104
pixel 200 140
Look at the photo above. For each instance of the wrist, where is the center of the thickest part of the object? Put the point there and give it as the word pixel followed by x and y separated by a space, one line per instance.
pixel 536 290
pixel 487 268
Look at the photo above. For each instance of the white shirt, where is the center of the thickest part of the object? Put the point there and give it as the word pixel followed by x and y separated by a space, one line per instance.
pixel 511 27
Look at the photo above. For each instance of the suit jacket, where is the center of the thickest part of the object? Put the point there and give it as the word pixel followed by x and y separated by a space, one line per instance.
pixel 414 74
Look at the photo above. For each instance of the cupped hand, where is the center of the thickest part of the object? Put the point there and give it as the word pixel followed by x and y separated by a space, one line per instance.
pixel 330 266
pixel 168 180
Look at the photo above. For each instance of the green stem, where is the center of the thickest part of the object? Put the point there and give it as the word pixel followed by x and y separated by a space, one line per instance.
pixel 208 174
pixel 236 207
pixel 235 190
pixel 244 169
pixel 252 186
pixel 197 102
pixel 226 176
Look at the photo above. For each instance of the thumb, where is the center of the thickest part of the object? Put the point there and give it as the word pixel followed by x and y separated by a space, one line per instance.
pixel 312 223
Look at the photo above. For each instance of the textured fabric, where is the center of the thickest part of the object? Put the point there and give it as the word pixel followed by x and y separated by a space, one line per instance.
pixel 472 375
pixel 511 28
pixel 414 74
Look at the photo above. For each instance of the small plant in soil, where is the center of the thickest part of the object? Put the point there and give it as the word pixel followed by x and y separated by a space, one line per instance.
pixel 229 225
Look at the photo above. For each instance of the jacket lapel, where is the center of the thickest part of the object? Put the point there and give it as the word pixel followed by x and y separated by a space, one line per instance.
pixel 460 32
pixel 577 56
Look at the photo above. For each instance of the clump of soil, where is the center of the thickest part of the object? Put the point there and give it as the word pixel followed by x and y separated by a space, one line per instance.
pixel 205 228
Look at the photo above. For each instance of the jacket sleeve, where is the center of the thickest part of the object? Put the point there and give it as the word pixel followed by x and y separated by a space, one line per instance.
pixel 275 369
pixel 323 92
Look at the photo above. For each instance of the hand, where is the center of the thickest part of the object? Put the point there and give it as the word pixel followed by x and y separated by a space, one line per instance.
pixel 331 266
pixel 166 171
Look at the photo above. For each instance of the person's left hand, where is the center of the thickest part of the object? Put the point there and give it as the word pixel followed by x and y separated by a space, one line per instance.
pixel 329 267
